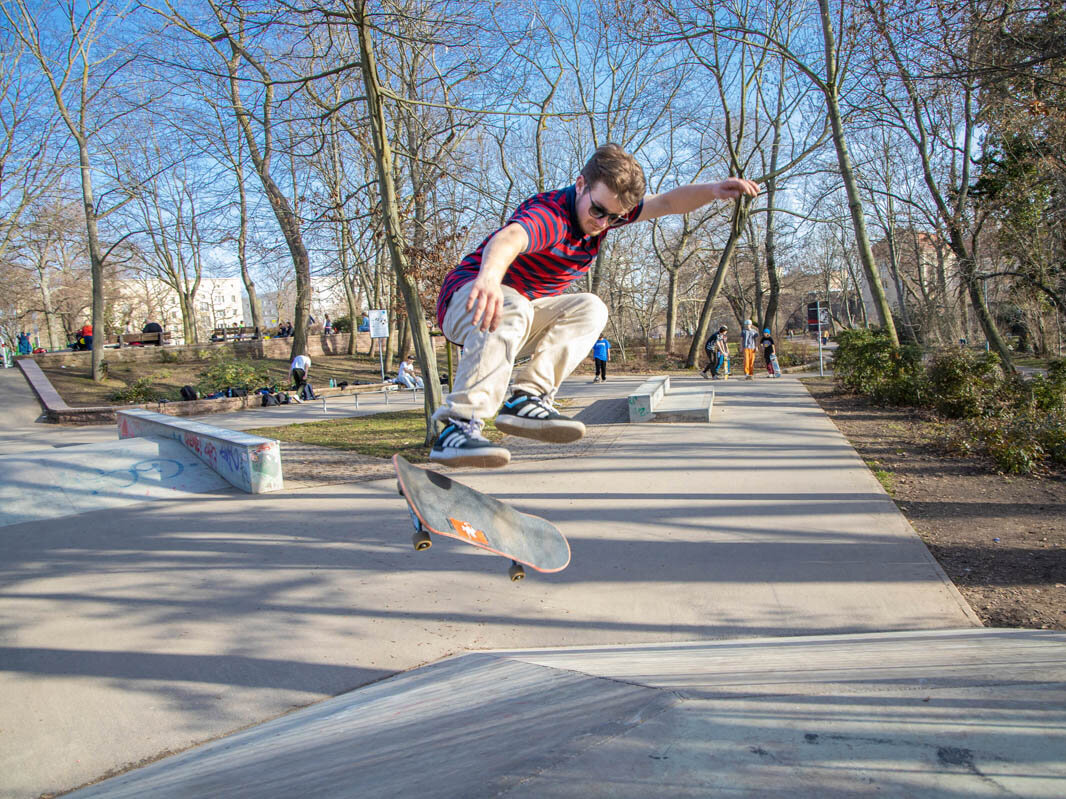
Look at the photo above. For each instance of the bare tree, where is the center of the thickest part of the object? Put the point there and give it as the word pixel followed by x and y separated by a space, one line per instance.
pixel 170 218
pixel 941 119
pixel 236 39
pixel 82 84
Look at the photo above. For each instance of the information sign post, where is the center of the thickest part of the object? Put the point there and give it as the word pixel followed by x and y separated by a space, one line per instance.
pixel 379 329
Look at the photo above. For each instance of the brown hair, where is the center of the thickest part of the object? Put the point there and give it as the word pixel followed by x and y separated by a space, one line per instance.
pixel 618 171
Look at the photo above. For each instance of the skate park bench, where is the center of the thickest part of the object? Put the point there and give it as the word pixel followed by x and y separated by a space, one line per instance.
pixel 652 402
pixel 130 339
pixel 250 463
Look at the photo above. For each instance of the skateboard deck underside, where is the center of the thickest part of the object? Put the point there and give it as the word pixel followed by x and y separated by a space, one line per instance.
pixel 775 365
pixel 449 508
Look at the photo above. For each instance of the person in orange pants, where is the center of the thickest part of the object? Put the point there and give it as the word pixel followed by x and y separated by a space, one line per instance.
pixel 747 346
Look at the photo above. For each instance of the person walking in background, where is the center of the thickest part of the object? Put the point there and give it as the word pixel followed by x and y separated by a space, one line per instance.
pixel 601 353
pixel 769 351
pixel 327 329
pixel 747 348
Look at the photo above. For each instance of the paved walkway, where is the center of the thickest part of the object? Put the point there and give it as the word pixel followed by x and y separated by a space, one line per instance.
pixel 147 629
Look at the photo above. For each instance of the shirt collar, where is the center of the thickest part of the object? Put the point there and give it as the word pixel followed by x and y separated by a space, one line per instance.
pixel 570 197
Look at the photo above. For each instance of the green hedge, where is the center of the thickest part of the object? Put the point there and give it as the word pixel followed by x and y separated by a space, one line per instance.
pixel 1020 423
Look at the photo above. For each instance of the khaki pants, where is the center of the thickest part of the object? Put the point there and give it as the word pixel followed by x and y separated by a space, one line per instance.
pixel 749 362
pixel 557 333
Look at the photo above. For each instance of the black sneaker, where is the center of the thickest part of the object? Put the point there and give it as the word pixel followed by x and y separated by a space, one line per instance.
pixel 534 417
pixel 460 443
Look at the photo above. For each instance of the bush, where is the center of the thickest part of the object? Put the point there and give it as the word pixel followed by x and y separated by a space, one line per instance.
pixel 342 324
pixel 1051 432
pixel 227 372
pixel 1049 393
pixel 796 352
pixel 141 390
pixel 964 384
pixel 1020 424
pixel 866 362
pixel 1011 442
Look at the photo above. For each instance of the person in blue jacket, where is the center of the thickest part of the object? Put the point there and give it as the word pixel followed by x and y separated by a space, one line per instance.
pixel 601 353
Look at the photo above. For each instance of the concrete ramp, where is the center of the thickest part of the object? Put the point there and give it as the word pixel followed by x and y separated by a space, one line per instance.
pixel 64 481
pixel 935 713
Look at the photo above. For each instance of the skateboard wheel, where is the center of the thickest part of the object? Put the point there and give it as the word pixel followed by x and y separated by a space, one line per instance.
pixel 422 541
pixel 516 572
pixel 399 488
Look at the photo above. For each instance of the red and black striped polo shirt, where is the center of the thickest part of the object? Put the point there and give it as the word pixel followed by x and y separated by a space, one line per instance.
pixel 557 255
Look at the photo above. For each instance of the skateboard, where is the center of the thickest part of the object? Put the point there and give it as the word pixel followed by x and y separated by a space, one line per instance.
pixel 723 366
pixel 443 506
pixel 775 366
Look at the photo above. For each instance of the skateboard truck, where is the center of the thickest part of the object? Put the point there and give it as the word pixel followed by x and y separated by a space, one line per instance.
pixel 421 540
pixel 438 504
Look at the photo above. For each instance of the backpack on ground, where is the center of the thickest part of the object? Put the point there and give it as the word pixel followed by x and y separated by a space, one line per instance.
pixel 269 399
pixel 188 393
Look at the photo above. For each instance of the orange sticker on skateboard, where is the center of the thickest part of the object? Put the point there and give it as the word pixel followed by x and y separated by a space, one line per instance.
pixel 440 505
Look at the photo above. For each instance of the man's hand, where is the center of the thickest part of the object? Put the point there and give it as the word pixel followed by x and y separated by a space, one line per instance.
pixel 733 188
pixel 486 300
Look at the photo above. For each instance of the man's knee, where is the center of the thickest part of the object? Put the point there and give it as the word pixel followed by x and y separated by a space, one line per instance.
pixel 594 310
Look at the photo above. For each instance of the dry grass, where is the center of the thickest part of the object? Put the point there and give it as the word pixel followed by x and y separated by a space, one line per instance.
pixel 380 435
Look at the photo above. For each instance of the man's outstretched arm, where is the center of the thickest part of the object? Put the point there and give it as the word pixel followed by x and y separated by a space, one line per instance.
pixel 688 198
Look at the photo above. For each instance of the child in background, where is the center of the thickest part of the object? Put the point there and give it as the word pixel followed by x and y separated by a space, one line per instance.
pixel 601 353
pixel 768 350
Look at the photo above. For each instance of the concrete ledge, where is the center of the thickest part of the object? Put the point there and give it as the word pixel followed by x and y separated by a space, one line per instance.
pixel 695 406
pixel 653 402
pixel 248 462
pixel 642 402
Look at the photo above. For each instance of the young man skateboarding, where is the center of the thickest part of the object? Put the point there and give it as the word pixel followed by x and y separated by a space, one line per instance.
pixel 505 301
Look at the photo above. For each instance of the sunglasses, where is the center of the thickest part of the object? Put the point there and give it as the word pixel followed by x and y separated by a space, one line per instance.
pixel 599 212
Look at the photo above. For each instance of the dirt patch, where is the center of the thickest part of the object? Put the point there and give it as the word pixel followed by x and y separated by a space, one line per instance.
pixel 1001 540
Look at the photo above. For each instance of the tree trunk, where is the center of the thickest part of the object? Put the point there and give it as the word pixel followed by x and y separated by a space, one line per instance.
pixel 393 236
pixel 186 303
pixel 740 216
pixel 49 311
pixel 671 309
pixel 279 204
pixel 847 173
pixel 242 257
pixel 96 260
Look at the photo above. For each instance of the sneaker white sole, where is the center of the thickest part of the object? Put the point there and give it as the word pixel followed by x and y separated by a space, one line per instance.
pixel 552 432
pixel 493 459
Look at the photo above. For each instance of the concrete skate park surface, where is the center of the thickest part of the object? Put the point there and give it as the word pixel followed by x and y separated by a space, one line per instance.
pixel 150 628
pixel 898 714
pixel 70 480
